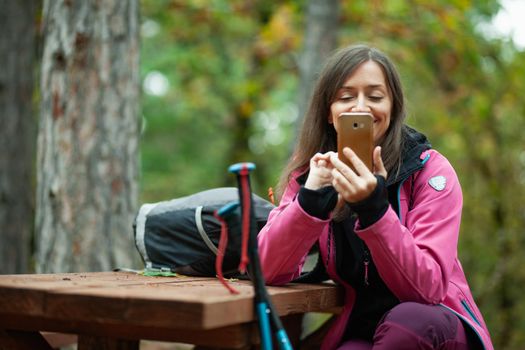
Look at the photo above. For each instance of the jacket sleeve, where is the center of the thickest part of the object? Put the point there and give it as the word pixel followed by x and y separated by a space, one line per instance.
pixel 287 237
pixel 416 259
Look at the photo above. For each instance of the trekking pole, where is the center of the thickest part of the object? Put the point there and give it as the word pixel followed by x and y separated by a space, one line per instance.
pixel 264 308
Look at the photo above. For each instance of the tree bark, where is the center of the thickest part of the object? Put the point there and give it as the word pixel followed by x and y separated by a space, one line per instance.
pixel 322 24
pixel 87 177
pixel 17 133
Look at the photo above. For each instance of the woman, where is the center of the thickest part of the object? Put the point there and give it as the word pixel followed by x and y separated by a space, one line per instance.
pixel 389 237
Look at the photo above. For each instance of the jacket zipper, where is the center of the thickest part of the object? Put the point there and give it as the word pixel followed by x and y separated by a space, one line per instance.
pixel 469 311
pixel 329 245
pixel 366 262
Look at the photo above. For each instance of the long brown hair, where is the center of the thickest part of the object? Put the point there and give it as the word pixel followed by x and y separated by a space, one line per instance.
pixel 318 135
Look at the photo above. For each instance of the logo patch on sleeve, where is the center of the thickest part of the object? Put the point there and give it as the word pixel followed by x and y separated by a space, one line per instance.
pixel 438 182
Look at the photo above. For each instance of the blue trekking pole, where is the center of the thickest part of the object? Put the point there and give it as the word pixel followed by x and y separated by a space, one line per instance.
pixel 264 308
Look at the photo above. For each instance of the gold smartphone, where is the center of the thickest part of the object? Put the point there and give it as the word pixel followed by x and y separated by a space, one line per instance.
pixel 356 131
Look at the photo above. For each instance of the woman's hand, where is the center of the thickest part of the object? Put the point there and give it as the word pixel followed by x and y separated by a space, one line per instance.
pixel 320 171
pixel 356 186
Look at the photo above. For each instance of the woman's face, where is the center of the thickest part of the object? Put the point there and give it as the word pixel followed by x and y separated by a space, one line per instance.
pixel 365 90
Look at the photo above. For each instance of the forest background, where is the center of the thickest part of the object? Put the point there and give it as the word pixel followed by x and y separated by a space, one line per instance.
pixel 226 81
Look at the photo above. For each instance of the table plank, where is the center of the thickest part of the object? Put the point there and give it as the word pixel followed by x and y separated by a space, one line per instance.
pixel 120 298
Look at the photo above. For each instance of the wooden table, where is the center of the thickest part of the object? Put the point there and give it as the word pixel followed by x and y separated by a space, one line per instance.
pixel 110 310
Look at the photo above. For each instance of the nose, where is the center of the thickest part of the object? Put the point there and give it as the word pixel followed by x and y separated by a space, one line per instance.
pixel 360 105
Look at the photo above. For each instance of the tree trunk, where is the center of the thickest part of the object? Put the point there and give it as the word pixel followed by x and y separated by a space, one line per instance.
pixel 17 133
pixel 87 183
pixel 322 24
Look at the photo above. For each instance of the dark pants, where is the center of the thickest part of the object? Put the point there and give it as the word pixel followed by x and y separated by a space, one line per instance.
pixel 410 326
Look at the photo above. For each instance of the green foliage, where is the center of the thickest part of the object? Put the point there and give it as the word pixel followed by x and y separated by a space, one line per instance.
pixel 231 66
pixel 230 70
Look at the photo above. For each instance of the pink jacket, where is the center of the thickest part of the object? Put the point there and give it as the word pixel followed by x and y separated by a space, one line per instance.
pixel 416 253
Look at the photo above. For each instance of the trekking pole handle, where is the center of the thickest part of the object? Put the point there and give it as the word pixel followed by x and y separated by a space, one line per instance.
pixel 243 168
pixel 228 209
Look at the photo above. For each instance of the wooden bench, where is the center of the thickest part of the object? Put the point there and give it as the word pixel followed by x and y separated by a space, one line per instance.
pixel 115 310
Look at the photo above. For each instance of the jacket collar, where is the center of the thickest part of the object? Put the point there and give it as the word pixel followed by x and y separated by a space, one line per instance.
pixel 414 144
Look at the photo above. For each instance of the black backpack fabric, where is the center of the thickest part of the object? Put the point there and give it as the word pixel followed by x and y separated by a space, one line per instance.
pixel 182 234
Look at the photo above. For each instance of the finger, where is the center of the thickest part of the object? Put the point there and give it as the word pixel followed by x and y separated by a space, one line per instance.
pixel 340 201
pixel 321 156
pixel 379 167
pixel 353 192
pixel 326 157
pixel 317 156
pixel 341 184
pixel 358 164
pixel 329 156
pixel 342 168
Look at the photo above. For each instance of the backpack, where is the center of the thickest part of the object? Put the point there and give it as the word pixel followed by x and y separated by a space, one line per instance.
pixel 182 234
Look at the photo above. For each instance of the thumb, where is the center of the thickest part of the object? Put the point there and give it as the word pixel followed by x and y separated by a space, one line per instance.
pixel 340 201
pixel 379 167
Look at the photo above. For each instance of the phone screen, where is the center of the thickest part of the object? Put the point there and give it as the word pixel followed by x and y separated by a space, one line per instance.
pixel 355 130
